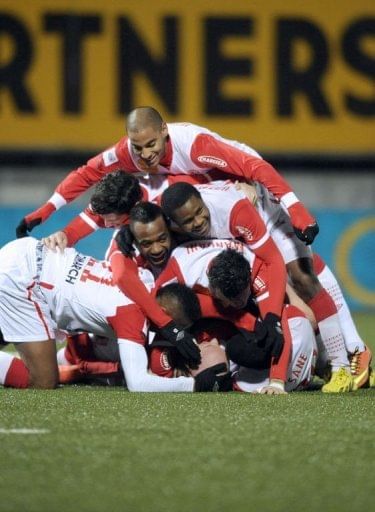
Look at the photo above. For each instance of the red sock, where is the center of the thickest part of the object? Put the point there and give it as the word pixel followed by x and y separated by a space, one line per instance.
pixel 17 375
pixel 322 305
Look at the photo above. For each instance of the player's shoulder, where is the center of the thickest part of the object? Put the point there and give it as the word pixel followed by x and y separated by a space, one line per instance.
pixel 185 128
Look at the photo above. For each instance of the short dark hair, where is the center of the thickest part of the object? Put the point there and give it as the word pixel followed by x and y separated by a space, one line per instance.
pixel 145 212
pixel 177 195
pixel 229 272
pixel 117 193
pixel 142 117
pixel 186 298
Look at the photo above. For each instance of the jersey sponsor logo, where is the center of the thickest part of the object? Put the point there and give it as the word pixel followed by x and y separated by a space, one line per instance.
pixel 259 285
pixel 245 233
pixel 164 363
pixel 212 160
pixel 110 157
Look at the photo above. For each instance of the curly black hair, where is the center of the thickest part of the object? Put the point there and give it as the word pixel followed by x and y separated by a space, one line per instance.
pixel 229 272
pixel 116 193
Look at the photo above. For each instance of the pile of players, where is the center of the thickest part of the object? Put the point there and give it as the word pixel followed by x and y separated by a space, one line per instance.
pixel 209 283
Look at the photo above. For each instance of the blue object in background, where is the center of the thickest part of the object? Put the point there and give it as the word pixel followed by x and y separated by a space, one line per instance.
pixel 94 245
pixel 346 242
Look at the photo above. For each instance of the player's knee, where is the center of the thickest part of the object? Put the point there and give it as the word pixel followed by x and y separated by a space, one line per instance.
pixel 306 285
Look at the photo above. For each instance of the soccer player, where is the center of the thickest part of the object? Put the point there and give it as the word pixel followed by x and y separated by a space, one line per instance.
pixel 153 146
pixel 42 291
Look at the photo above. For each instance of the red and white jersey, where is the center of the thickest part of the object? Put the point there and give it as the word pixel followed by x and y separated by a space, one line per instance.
pixel 190 261
pixel 82 297
pixel 190 149
pixel 231 213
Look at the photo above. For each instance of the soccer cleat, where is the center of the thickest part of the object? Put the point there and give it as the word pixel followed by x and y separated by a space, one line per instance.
pixel 341 382
pixel 360 367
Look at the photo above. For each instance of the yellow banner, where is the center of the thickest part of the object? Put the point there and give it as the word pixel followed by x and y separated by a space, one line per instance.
pixel 283 76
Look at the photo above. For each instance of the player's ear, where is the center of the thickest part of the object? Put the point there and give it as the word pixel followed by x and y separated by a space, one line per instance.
pixel 164 129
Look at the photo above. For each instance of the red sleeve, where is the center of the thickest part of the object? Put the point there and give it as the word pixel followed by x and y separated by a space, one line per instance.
pixel 83 225
pixel 125 276
pixel 171 274
pixel 239 163
pixel 246 223
pixel 79 180
pixel 279 369
pixel 129 324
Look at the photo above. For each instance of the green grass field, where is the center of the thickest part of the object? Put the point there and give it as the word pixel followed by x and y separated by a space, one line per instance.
pixel 99 449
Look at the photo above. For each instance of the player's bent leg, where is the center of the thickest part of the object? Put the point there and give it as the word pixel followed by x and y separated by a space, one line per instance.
pixel 359 355
pixel 304 351
pixel 40 359
pixel 309 288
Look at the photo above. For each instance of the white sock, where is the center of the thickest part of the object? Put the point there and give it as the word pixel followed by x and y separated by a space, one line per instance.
pixel 352 338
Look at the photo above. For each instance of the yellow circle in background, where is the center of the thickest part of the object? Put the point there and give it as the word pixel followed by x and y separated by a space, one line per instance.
pixel 343 250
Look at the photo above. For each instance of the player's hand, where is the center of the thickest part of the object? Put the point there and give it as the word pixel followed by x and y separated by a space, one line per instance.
pixel 272 390
pixel 307 235
pixel 275 387
pixel 33 219
pixel 213 379
pixel 249 190
pixel 57 240
pixel 270 334
pixel 184 342
pixel 304 224
pixel 125 239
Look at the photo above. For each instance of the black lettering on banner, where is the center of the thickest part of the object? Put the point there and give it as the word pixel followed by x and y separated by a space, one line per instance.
pixel 73 30
pixel 134 56
pixel 217 67
pixel 354 54
pixel 292 81
pixel 13 73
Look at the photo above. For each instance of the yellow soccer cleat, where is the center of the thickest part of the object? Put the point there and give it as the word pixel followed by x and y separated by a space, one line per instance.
pixel 341 382
pixel 360 367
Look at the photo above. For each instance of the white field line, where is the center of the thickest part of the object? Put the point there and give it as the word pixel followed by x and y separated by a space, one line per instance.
pixel 24 431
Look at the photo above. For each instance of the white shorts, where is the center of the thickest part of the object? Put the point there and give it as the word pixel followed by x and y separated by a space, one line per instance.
pixel 279 226
pixel 24 313
pixel 300 370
